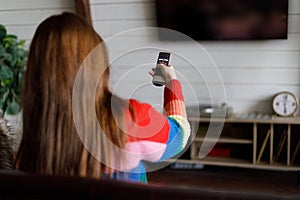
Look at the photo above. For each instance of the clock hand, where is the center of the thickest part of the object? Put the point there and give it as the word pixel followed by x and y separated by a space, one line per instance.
pixel 284 102
pixel 284 110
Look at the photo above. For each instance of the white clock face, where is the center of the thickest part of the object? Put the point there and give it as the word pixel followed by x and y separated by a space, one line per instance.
pixel 285 104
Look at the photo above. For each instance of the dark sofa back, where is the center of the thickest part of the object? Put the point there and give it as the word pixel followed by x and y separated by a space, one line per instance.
pixel 19 185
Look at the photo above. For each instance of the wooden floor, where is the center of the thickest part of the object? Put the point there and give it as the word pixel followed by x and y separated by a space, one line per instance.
pixel 281 183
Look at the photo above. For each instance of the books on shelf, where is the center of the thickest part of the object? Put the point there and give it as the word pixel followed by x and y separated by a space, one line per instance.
pixel 295 152
pixel 280 146
pixel 263 146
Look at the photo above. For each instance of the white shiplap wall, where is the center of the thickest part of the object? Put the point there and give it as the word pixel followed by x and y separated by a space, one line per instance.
pixel 22 17
pixel 252 71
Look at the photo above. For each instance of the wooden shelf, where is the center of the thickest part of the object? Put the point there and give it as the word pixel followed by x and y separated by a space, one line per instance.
pixel 224 159
pixel 224 140
pixel 236 119
pixel 253 141
pixel 239 163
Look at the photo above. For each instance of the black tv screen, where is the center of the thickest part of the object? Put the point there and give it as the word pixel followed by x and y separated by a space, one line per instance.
pixel 224 19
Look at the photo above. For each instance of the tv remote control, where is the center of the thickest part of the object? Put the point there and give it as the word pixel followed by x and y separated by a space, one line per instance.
pixel 158 78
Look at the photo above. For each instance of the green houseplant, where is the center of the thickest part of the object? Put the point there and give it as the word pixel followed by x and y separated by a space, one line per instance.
pixel 13 58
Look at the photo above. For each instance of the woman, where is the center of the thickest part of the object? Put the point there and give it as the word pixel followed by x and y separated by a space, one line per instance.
pixel 53 144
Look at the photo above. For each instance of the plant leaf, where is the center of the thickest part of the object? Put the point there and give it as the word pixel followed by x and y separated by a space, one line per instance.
pixel 13 59
pixel 12 36
pixel 21 44
pixel 2 51
pixel 4 96
pixel 6 73
pixel 13 108
pixel 2 32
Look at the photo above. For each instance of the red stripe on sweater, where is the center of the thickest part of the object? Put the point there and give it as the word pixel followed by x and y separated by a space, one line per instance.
pixel 175 107
pixel 173 91
pixel 145 123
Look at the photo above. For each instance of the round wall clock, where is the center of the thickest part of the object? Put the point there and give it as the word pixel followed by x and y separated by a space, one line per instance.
pixel 285 104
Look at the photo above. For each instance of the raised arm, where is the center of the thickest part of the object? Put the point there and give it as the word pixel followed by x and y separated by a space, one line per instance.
pixel 153 136
pixel 175 111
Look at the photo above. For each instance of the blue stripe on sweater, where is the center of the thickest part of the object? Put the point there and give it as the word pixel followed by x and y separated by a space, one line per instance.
pixel 137 174
pixel 174 143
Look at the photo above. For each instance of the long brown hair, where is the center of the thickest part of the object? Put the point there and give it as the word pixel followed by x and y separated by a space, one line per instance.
pixel 50 142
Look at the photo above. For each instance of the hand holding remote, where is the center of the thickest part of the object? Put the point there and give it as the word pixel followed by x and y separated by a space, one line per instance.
pixel 168 72
pixel 163 72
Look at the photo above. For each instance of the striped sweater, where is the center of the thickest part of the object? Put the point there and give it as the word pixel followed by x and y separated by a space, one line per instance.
pixel 154 137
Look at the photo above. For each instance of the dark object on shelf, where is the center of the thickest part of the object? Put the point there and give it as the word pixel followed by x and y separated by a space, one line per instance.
pixel 220 152
pixel 209 111
pixel 182 165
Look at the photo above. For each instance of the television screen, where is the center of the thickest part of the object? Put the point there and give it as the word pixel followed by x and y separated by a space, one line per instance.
pixel 224 19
